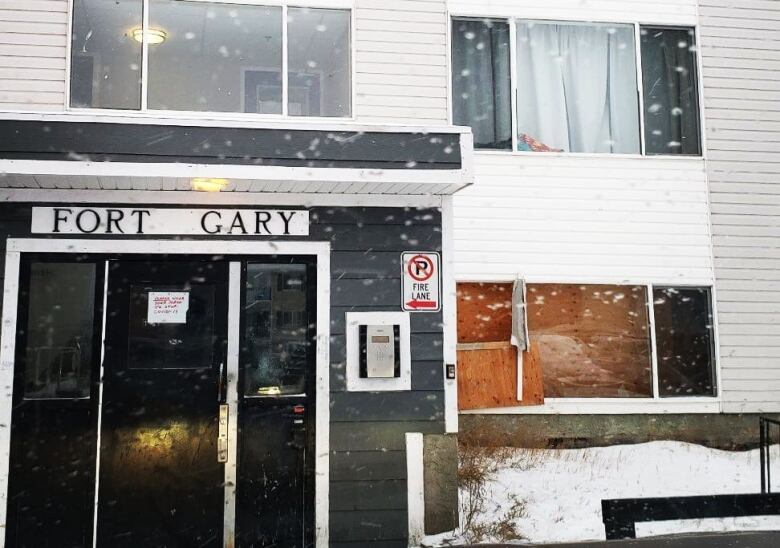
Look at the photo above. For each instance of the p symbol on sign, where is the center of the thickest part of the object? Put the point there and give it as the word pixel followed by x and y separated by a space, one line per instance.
pixel 420 268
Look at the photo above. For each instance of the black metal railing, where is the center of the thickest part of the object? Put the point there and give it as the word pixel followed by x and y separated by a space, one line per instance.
pixel 765 441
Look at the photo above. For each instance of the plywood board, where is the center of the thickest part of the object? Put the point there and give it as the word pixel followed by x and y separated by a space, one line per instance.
pixel 488 378
pixel 593 340
pixel 484 312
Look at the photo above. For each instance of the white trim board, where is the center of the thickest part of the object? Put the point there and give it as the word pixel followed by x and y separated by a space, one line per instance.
pixel 415 487
pixel 320 250
pixel 216 120
pixel 449 316
pixel 231 372
pixel 7 350
pixel 672 12
pixel 397 384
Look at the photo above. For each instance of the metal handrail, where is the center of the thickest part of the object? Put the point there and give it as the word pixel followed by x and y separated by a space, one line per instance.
pixel 764 444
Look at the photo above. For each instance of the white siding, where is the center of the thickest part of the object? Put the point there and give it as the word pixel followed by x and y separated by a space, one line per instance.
pixel 401 61
pixel 741 67
pixel 400 58
pixel 33 42
pixel 578 218
pixel 673 12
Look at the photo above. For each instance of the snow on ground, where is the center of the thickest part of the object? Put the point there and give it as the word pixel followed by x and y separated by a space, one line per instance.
pixel 562 489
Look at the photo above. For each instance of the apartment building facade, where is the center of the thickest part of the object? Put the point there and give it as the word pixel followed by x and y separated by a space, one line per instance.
pixel 612 265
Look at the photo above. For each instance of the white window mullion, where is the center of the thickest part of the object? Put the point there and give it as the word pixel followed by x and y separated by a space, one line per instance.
pixel 640 86
pixel 513 77
pixel 653 344
pixel 285 79
pixel 144 56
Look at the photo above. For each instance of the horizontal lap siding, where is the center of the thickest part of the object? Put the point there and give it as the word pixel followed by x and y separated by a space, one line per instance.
pixel 368 444
pixel 677 12
pixel 585 219
pixel 401 61
pixel 33 43
pixel 740 45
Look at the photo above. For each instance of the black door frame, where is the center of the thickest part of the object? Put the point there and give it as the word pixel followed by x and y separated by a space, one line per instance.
pixel 232 250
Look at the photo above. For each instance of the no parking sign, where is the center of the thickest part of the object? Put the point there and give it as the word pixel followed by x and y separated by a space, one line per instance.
pixel 420 281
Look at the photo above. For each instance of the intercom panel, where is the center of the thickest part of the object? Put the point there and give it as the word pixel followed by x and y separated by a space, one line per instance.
pixel 380 351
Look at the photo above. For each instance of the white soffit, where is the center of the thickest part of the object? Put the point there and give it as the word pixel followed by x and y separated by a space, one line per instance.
pixel 38 174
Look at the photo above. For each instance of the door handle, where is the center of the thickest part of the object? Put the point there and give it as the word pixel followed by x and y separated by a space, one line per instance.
pixel 222 436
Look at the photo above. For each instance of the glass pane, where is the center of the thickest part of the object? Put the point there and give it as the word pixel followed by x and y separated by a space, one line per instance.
pixel 670 87
pixel 683 333
pixel 592 340
pixel 105 58
pixel 576 88
pixel 481 92
pixel 277 345
pixel 215 57
pixel 171 327
pixel 60 325
pixel 318 62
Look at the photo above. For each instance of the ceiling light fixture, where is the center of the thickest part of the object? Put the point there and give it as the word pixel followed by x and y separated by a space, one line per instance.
pixel 150 36
pixel 208 184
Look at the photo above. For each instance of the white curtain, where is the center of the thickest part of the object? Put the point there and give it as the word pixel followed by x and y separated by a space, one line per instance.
pixel 576 87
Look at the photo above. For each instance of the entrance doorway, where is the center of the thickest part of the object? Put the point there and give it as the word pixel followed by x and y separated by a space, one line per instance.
pixel 202 431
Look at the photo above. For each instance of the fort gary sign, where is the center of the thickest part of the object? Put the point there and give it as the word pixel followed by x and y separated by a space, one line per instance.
pixel 420 281
pixel 156 221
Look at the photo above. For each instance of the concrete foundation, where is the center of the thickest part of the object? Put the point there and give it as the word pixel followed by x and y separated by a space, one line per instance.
pixel 720 431
pixel 440 460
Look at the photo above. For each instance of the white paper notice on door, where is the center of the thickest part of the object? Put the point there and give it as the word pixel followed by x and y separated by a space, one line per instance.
pixel 168 306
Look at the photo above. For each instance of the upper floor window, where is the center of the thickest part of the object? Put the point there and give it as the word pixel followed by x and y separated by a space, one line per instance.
pixel 209 56
pixel 576 87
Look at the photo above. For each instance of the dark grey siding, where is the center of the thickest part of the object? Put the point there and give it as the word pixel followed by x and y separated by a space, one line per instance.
pixel 367 434
pixel 152 143
pixel 368 458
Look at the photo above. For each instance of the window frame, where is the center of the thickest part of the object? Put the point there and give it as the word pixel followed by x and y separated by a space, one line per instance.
pixel 144 111
pixel 512 21
pixel 652 404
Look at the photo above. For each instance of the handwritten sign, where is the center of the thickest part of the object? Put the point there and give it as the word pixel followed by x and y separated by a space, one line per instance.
pixel 168 306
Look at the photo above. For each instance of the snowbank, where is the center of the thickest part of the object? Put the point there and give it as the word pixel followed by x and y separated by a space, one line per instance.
pixel 562 489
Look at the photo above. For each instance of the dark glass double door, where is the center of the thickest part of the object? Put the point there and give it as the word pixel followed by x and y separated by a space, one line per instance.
pixel 168 368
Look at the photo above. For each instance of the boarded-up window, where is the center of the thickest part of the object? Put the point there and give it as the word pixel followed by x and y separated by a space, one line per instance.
pixel 683 333
pixel 484 312
pixel 592 340
pixel 487 362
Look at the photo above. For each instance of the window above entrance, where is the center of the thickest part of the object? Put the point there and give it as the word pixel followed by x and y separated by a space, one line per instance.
pixel 196 56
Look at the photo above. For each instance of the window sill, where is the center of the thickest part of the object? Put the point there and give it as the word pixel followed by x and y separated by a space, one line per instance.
pixel 609 406
pixel 526 153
